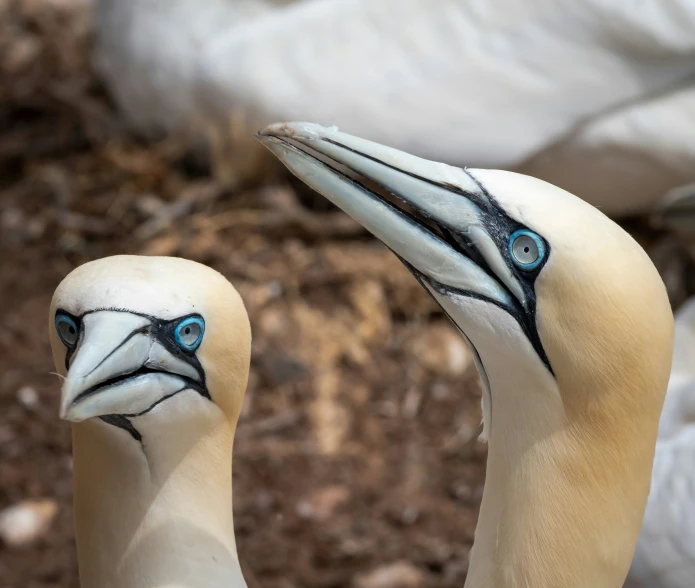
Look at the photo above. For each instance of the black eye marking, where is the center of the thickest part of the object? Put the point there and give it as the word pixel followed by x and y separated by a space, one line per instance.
pixel 528 327
pixel 122 422
pixel 69 330
pixel 167 334
pixel 501 228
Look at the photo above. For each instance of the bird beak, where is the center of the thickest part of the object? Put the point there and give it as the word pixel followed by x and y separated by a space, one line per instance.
pixel 119 368
pixel 439 246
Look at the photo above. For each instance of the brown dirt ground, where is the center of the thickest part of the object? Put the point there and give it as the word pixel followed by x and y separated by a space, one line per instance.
pixel 357 445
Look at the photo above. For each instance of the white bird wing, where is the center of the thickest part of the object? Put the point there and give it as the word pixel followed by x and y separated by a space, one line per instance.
pixel 679 404
pixel 148 50
pixel 665 555
pixel 643 149
pixel 487 84
pixel 482 83
pixel 684 344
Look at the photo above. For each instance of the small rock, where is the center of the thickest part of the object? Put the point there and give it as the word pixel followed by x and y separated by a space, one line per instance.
pixel 149 204
pixel 6 434
pixel 22 52
pixel 400 574
pixel 440 391
pixel 26 521
pixel 12 218
pixel 441 349
pixel 28 397
pixel 323 503
pixel 275 289
pixel 264 500
pixel 411 403
pixel 410 515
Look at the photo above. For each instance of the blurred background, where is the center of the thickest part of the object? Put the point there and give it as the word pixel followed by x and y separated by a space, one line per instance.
pixel 356 461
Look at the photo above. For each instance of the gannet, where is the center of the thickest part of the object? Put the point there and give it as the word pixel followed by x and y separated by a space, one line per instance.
pixel 155 353
pixel 547 87
pixel 572 332
pixel 665 554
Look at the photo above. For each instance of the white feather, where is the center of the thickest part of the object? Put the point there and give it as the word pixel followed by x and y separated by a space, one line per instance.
pixel 665 555
pixel 550 84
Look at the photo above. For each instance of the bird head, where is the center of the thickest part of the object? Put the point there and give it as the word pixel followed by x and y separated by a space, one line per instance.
pixel 145 341
pixel 553 296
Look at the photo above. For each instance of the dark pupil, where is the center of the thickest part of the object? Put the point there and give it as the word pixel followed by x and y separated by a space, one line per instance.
pixel 71 329
pixel 188 330
pixel 526 249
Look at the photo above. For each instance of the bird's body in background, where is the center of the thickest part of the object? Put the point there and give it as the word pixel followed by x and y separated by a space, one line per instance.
pixel 665 555
pixel 572 331
pixel 548 87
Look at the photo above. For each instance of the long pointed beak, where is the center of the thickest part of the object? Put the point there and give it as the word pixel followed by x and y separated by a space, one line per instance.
pixel 119 368
pixel 447 195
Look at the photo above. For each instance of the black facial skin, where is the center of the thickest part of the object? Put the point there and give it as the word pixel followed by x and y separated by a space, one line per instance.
pixel 163 332
pixel 498 225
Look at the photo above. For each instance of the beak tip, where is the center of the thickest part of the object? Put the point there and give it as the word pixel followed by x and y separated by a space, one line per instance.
pixel 64 410
pixel 272 144
pixel 66 402
pixel 301 131
pixel 69 414
pixel 278 129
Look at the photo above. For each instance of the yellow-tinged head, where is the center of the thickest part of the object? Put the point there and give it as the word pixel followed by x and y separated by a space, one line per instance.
pixel 572 330
pixel 601 310
pixel 131 334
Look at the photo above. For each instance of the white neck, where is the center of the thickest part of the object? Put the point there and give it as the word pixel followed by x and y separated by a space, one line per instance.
pixel 566 485
pixel 157 514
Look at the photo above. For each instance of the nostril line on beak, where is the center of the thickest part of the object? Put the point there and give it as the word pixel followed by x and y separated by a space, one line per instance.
pixel 141 331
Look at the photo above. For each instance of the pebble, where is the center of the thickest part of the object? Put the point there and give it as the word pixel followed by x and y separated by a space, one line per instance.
pixel 6 434
pixel 28 397
pixel 25 522
pixel 323 503
pixel 443 350
pixel 400 574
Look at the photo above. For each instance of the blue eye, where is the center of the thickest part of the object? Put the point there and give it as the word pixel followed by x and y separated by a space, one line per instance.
pixel 527 249
pixel 189 332
pixel 67 329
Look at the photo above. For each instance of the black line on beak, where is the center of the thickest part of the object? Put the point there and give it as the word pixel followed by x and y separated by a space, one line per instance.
pixel 475 198
pixel 141 371
pixel 142 330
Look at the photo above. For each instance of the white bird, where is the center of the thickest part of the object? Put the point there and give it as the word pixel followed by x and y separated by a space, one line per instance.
pixel 548 87
pixel 572 330
pixel 156 354
pixel 665 554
